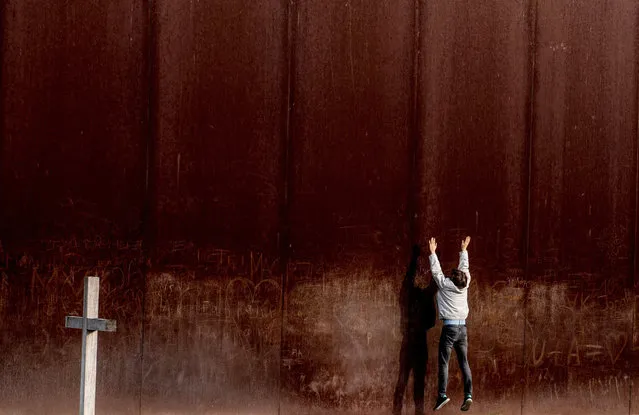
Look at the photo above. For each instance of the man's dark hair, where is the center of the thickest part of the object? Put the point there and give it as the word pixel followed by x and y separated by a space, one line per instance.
pixel 459 278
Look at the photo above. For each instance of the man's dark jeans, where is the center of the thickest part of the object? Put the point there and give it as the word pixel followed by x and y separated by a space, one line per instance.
pixel 454 337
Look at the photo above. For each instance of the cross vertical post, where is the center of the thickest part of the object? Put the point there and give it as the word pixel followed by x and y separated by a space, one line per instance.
pixel 89 347
pixel 90 325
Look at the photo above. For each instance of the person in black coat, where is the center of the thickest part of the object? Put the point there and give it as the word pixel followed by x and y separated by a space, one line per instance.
pixel 418 314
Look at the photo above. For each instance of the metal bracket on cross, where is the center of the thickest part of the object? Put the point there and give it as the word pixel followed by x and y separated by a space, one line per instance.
pixel 90 325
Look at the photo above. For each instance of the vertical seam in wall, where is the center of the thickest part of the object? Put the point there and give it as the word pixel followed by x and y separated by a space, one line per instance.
pixel 286 149
pixel 414 127
pixel 148 230
pixel 635 235
pixel 3 33
pixel 530 127
pixel 148 223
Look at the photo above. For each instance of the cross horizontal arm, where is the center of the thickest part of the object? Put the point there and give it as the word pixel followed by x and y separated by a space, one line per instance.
pixel 93 324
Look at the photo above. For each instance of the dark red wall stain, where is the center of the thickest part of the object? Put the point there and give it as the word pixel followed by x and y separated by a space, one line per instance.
pixel 221 97
pixel 473 159
pixel 473 128
pixel 583 187
pixel 221 83
pixel 350 128
pixel 74 136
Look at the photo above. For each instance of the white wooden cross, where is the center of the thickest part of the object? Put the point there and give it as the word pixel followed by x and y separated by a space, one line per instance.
pixel 90 325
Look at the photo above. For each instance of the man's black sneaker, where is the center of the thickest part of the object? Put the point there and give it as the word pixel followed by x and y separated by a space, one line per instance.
pixel 466 405
pixel 441 401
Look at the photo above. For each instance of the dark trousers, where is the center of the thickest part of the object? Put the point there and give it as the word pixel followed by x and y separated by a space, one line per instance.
pixel 413 356
pixel 454 337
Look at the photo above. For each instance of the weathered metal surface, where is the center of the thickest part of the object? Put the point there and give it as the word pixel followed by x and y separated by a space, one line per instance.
pixel 214 296
pixel 350 128
pixel 74 130
pixel 524 136
pixel 72 177
pixel 221 90
pixel 349 186
pixel 474 93
pixel 583 187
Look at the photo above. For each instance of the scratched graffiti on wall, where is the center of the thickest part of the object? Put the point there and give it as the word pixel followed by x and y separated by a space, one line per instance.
pixel 39 287
pixel 213 328
pixel 219 335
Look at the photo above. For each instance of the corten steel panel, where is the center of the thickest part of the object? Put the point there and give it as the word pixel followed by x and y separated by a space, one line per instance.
pixel 221 86
pixel 74 136
pixel 349 184
pixel 633 357
pixel 72 176
pixel 471 169
pixel 634 349
pixel 213 303
pixel 473 108
pixel 579 313
pixel 350 128
pixel 211 341
pixel 41 358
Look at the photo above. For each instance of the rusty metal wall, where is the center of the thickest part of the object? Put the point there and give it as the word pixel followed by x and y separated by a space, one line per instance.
pixel 74 133
pixel 74 137
pixel 213 306
pixel 247 178
pixel 474 130
pixel 221 91
pixel 583 207
pixel 350 128
pixel 351 134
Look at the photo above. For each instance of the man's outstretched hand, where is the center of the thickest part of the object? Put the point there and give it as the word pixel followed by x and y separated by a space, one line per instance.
pixel 432 244
pixel 464 243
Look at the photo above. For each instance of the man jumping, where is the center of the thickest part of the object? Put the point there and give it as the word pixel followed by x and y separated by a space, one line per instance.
pixel 452 302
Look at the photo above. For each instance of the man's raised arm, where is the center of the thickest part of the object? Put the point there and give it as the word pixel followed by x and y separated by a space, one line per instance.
pixel 463 256
pixel 435 267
